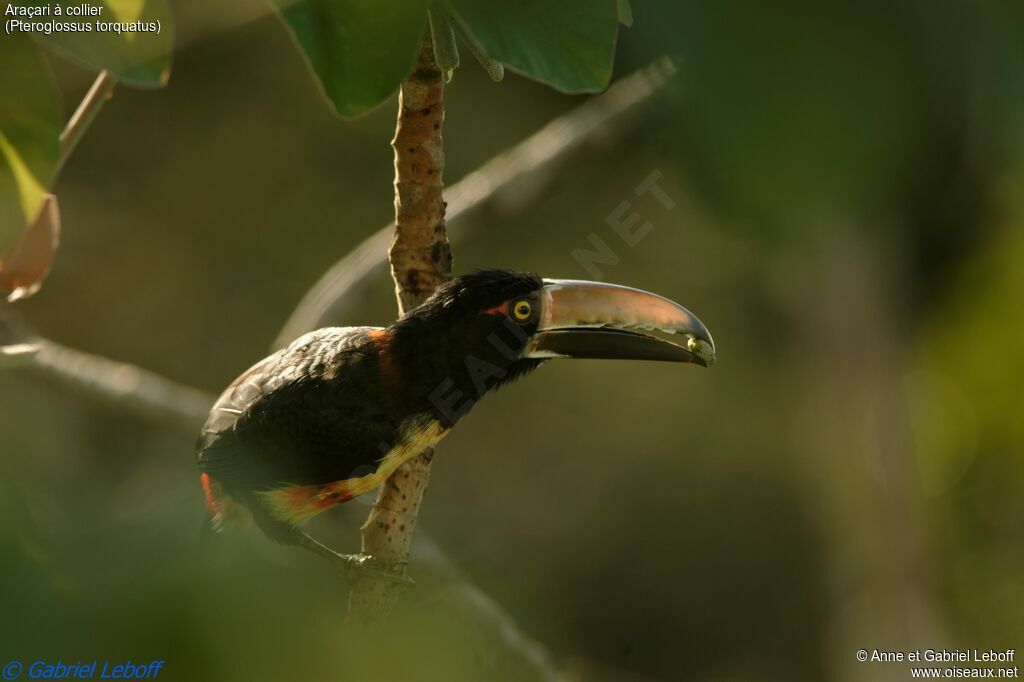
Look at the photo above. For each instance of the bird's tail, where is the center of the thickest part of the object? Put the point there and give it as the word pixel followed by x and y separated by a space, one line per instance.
pixel 223 510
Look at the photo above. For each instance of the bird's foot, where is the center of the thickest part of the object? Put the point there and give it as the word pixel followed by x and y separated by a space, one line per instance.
pixel 367 566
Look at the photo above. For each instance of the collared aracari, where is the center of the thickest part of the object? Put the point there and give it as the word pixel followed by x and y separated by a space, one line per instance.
pixel 332 415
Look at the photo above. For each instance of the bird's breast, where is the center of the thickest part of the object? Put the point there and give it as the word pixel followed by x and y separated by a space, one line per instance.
pixel 297 504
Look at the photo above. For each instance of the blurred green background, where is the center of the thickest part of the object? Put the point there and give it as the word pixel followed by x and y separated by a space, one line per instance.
pixel 848 221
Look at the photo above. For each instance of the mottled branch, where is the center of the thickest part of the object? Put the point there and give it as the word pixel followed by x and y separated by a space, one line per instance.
pixel 419 255
pixel 420 260
pixel 506 182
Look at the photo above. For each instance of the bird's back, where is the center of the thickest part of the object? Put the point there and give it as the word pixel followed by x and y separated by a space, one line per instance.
pixel 311 413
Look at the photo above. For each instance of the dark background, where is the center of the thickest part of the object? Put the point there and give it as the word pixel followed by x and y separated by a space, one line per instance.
pixel 848 222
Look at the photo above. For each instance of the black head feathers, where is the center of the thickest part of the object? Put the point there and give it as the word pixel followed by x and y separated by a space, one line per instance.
pixel 476 292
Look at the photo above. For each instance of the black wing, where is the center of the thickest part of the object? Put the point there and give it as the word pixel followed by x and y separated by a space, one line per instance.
pixel 311 413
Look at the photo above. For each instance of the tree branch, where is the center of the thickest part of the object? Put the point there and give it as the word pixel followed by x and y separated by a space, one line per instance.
pixel 420 260
pixel 122 385
pixel 502 645
pixel 512 179
pixel 100 91
pixel 420 256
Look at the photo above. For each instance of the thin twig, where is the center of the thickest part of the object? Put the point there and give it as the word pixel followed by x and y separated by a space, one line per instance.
pixel 509 180
pixel 495 632
pixel 90 106
pixel 123 385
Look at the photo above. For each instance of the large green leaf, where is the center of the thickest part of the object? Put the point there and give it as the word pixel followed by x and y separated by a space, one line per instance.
pixel 360 50
pixel 139 57
pixel 29 134
pixel 568 44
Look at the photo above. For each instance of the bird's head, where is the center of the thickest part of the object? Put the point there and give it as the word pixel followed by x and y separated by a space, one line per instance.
pixel 483 329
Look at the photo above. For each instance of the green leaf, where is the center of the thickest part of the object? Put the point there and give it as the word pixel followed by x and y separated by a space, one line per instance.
pixel 625 12
pixel 140 58
pixel 442 36
pixel 29 134
pixel 494 68
pixel 360 50
pixel 567 44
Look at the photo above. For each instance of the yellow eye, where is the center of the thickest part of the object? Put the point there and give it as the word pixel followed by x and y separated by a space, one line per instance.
pixel 522 310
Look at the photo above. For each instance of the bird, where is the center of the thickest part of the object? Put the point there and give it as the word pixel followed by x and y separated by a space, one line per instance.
pixel 332 415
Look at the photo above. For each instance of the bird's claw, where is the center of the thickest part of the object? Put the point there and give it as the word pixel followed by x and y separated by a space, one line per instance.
pixel 369 566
